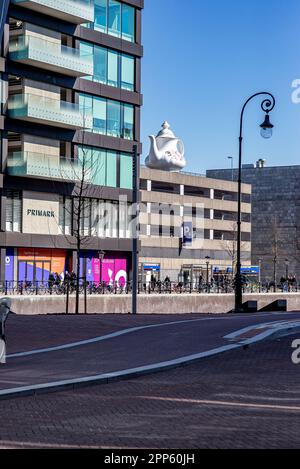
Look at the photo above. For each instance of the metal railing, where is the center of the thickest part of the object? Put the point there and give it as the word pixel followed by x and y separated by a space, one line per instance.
pixel 38 288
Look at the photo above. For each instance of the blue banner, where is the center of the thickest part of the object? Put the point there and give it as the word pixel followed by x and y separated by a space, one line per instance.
pixel 187 233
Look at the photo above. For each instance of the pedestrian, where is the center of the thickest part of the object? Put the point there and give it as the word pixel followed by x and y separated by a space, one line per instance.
pixel 51 281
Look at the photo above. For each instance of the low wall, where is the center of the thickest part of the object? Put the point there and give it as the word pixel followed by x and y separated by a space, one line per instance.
pixel 147 304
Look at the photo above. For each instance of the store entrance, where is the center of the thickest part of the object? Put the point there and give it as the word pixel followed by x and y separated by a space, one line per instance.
pixel 32 271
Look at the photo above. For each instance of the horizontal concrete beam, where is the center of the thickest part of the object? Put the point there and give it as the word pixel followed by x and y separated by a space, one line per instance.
pixel 147 304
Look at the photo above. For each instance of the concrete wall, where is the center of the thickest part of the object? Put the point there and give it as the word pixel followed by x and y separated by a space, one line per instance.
pixel 150 304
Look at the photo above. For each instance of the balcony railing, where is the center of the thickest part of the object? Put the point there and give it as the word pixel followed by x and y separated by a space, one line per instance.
pixel 51 56
pixel 45 166
pixel 74 11
pixel 43 110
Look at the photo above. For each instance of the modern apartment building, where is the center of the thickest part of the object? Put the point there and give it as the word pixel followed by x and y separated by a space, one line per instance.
pixel 70 115
pixel 188 224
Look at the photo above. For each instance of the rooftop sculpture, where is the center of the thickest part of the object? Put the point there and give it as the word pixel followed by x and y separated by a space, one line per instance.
pixel 166 151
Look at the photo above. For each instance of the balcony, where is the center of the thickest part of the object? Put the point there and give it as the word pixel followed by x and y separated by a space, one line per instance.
pixel 74 11
pixel 49 111
pixel 52 56
pixel 41 165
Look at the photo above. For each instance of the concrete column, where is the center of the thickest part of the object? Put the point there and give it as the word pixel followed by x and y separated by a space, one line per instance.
pixel 212 194
pixel 211 234
pixel 212 213
pixel 181 189
pixel 149 186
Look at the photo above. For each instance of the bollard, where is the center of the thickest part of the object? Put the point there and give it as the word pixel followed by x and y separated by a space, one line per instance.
pixel 5 304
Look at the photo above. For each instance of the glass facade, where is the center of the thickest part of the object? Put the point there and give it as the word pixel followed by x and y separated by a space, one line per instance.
pixel 14 211
pixel 111 118
pixel 110 67
pixel 107 168
pixel 114 18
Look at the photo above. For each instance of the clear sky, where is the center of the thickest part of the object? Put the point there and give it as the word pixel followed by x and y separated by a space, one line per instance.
pixel 203 58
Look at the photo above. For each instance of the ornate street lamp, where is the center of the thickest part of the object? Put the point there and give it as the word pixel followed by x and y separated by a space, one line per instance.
pixel 207 269
pixel 101 257
pixel 267 106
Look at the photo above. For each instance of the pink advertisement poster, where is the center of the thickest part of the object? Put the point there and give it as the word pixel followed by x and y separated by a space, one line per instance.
pixel 114 270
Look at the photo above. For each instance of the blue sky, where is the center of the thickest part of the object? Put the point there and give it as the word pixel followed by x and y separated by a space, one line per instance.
pixel 202 59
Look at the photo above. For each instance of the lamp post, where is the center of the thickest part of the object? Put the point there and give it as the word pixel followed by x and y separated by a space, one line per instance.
pixel 231 159
pixel 207 270
pixel 267 106
pixel 259 272
pixel 101 257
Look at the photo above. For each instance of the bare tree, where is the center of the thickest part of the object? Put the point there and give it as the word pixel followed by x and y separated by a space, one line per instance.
pixel 230 246
pixel 82 172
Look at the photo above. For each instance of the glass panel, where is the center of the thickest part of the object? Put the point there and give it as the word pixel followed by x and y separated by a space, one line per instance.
pixel 128 122
pixel 112 77
pixel 113 118
pixel 114 18
pixel 99 115
pixel 68 216
pixel 111 169
pixel 101 15
pixel 126 171
pixel 99 167
pixel 127 76
pixel 128 23
pixel 100 65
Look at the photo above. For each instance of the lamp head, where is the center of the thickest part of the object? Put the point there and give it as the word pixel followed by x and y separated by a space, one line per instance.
pixel 266 128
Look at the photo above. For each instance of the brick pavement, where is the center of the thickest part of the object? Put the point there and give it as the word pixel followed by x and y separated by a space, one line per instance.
pixel 166 410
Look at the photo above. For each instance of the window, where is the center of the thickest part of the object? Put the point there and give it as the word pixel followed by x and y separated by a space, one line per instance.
pixel 126 171
pixel 113 67
pixel 128 122
pixel 111 169
pixel 104 167
pixel 113 118
pixel 101 15
pixel 99 115
pixel 128 23
pixel 65 215
pixel 114 18
pixel 100 64
pixel 14 211
pixel 110 67
pixel 127 73
pixel 110 117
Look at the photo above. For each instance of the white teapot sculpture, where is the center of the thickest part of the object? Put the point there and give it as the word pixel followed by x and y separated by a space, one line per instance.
pixel 166 151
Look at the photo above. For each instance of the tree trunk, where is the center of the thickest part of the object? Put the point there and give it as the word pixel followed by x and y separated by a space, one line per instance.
pixel 77 279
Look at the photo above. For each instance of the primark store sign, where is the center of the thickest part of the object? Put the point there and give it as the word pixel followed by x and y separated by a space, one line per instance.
pixel 41 213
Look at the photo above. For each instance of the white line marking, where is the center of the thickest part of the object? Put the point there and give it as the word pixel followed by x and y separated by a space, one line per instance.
pixel 127 372
pixel 224 403
pixel 124 332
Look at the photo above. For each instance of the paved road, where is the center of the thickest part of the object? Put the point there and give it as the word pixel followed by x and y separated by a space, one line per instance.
pixel 159 339
pixel 240 399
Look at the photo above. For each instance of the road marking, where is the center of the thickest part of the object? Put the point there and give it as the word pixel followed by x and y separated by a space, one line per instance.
pixel 127 373
pixel 121 333
pixel 224 403
pixel 277 328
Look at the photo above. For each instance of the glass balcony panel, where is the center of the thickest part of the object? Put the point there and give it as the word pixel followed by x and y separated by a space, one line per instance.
pixel 51 55
pixel 40 109
pixel 46 166
pixel 75 11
